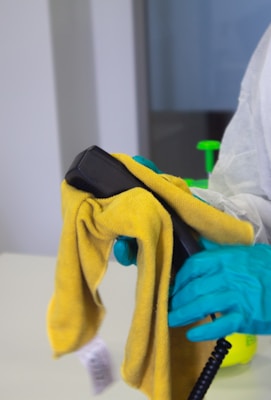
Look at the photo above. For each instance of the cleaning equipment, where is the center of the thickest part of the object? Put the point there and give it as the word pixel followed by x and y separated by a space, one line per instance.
pixel 209 147
pixel 99 173
pixel 159 361
pixel 243 350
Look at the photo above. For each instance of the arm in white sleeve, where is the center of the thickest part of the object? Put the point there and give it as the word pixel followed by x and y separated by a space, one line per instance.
pixel 240 183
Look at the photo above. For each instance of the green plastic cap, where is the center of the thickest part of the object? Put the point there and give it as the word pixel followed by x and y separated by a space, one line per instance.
pixel 209 147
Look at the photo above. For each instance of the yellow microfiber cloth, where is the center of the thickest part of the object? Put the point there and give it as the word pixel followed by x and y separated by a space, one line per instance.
pixel 159 361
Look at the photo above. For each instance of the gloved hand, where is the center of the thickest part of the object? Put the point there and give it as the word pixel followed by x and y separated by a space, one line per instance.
pixel 233 280
pixel 125 248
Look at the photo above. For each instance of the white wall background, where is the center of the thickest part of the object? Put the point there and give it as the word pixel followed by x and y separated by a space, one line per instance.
pixel 68 80
pixel 29 152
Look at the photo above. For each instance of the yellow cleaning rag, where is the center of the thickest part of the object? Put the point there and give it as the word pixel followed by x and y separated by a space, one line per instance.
pixel 158 361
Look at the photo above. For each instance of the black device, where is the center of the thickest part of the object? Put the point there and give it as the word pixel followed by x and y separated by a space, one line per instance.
pixel 101 174
pixel 97 172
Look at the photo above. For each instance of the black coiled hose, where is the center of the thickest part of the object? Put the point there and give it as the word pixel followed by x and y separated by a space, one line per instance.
pixel 210 370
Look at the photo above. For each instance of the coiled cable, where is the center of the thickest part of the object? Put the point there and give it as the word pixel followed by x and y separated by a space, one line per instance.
pixel 210 369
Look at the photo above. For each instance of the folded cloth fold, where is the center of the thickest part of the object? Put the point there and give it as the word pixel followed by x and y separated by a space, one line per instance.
pixel 158 361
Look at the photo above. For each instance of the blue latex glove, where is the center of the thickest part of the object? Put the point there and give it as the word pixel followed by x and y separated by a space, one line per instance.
pixel 233 280
pixel 125 248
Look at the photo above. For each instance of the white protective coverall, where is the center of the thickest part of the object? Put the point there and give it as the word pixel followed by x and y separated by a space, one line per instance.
pixel 240 183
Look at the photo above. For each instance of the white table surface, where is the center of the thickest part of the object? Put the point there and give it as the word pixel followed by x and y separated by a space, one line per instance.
pixel 27 370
